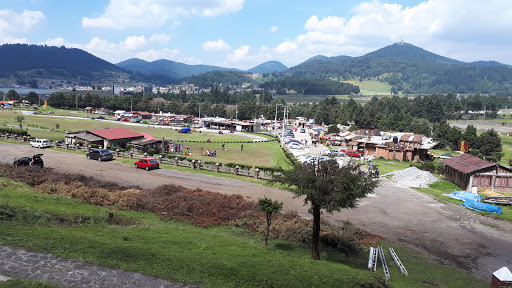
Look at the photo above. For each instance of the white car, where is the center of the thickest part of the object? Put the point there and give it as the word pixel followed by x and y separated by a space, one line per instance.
pixel 40 143
pixel 296 146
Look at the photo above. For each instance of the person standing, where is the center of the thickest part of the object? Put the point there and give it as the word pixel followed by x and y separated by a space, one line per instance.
pixel 242 147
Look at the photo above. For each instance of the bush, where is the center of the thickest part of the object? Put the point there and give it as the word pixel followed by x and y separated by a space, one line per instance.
pixel 11 131
pixel 129 147
pixel 151 152
pixel 341 244
pixel 79 143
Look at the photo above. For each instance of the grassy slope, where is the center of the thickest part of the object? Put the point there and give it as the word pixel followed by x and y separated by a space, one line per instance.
pixel 213 257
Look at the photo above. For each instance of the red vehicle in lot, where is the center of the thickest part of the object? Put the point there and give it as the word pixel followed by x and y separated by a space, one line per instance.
pixel 147 163
pixel 354 153
pixel 125 119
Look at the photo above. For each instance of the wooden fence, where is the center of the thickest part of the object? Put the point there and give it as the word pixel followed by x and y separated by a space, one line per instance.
pixel 177 161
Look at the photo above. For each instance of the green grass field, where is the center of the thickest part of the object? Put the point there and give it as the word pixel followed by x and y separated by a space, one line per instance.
pixel 371 87
pixel 212 257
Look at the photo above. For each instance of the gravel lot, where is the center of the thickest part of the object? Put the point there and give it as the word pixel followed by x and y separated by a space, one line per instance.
pixel 448 233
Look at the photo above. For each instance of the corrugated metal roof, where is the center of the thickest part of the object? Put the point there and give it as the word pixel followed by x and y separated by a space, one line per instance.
pixel 115 133
pixel 467 163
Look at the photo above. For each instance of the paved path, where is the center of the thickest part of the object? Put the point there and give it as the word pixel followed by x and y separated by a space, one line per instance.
pixel 71 272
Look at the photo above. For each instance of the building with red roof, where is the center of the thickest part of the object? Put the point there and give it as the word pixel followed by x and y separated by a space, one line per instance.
pixel 117 137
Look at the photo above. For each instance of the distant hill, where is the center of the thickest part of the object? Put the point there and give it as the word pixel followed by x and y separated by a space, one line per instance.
pixel 168 68
pixel 411 69
pixel 212 78
pixel 21 61
pixel 268 67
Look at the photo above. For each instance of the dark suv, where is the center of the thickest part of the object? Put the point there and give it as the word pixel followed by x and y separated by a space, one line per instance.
pixel 100 155
pixel 33 161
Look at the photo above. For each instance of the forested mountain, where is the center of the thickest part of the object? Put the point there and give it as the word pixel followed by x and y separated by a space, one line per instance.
pixel 311 86
pixel 411 70
pixel 168 68
pixel 214 78
pixel 268 67
pixel 32 61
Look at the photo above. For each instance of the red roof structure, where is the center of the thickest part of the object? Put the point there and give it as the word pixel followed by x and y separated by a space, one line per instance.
pixel 467 163
pixel 115 133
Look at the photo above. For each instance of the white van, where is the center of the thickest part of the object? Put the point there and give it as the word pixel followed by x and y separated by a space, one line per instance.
pixel 40 143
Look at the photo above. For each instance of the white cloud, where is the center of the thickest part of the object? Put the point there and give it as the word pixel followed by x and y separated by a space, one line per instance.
pixel 239 54
pixel 274 29
pixel 451 28
pixel 152 55
pixel 159 38
pixel 134 42
pixel 123 14
pixel 216 45
pixel 12 23
pixel 12 40
pixel 59 41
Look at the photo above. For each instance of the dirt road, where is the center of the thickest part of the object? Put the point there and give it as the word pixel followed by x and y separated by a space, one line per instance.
pixel 448 233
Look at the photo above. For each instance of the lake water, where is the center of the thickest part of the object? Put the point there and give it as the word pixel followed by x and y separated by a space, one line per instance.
pixel 24 91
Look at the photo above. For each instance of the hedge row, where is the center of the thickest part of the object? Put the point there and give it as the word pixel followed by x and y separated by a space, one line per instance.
pixel 13 131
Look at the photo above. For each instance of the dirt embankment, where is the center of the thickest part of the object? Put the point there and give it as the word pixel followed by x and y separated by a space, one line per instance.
pixel 448 233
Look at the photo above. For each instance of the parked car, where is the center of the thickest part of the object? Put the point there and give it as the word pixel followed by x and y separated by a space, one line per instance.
pixel 445 156
pixel 100 155
pixel 118 119
pixel 33 161
pixel 40 143
pixel 354 153
pixel 138 120
pixel 290 140
pixel 296 146
pixel 125 120
pixel 332 153
pixel 100 117
pixel 147 163
pixel 302 130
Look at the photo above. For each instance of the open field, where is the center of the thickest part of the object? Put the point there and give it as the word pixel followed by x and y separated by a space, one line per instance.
pixel 372 87
pixel 213 257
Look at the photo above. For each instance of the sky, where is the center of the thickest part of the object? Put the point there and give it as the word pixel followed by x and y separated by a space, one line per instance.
pixel 245 33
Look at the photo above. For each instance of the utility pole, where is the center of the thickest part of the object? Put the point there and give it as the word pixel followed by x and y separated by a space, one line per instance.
pixel 275 120
pixel 236 113
pixel 285 117
pixel 131 104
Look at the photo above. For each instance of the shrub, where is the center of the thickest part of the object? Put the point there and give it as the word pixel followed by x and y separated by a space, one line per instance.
pixel 129 147
pixel 79 143
pixel 11 131
pixel 181 158
pixel 151 152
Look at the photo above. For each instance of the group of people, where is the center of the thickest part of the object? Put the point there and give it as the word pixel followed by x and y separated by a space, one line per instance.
pixel 211 153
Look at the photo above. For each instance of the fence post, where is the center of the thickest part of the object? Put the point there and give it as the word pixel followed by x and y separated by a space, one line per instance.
pixel 176 161
pixel 145 155
pixel 198 167
pixel 160 159
pixel 236 170
pixel 117 152
pixel 76 147
pixel 217 167
pixel 67 146
pixel 256 173
pixel 131 154
pixel 88 148
pixel 193 164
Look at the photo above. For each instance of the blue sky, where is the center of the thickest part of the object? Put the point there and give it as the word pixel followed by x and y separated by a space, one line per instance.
pixel 245 33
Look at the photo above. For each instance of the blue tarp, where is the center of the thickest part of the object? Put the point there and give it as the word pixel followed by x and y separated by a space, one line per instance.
pixel 484 207
pixel 464 196
pixel 318 130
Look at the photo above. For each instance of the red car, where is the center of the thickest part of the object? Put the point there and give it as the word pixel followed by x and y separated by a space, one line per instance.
pixel 354 153
pixel 125 119
pixel 147 163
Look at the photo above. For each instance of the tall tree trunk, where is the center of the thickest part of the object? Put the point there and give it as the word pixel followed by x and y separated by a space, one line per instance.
pixel 315 241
